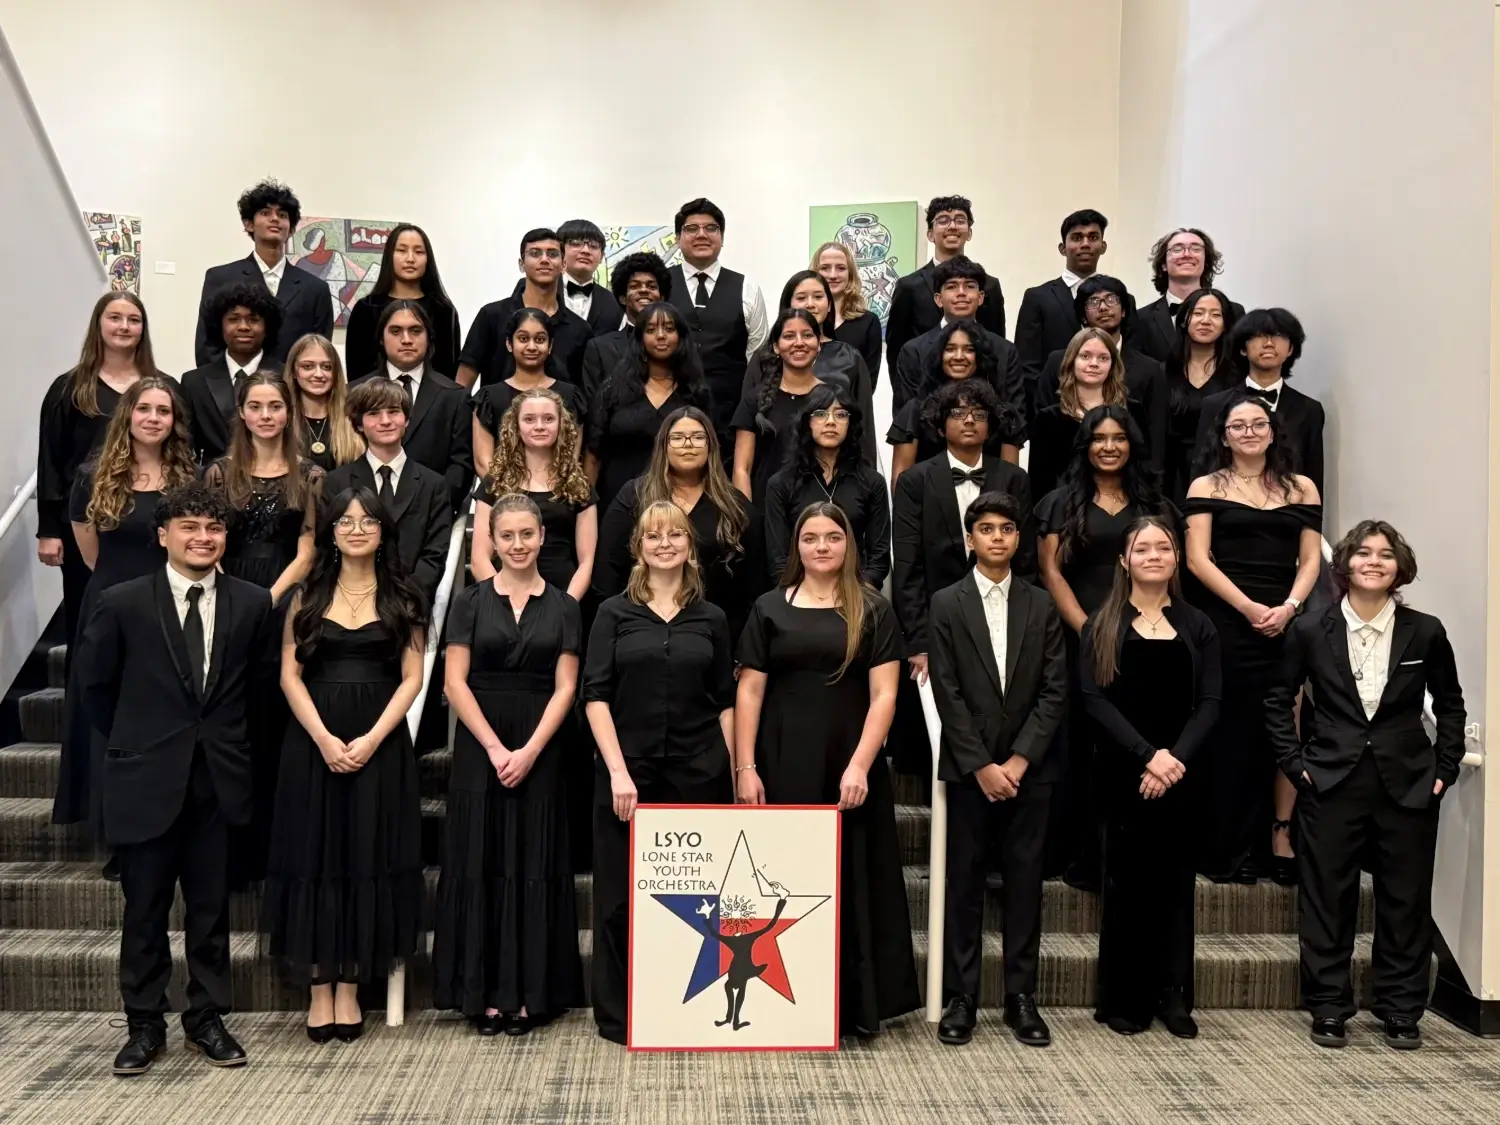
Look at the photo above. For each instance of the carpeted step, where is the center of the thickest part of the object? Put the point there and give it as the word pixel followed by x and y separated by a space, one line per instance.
pixel 29 769
pixel 57 661
pixel 27 833
pixel 42 715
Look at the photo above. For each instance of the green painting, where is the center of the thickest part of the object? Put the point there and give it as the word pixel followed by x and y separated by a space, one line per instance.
pixel 882 237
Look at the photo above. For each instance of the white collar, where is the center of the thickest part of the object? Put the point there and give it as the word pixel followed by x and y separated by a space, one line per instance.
pixel 1273 389
pixel 955 463
pixel 691 271
pixel 249 369
pixel 1380 622
pixel 180 583
pixel 1172 299
pixel 985 585
pixel 395 464
pixel 1071 280
pixel 395 372
pixel 276 271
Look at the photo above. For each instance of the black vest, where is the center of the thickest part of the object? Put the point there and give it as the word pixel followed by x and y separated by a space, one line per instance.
pixel 719 328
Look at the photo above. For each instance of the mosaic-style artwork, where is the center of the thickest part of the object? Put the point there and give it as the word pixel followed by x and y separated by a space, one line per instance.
pixel 117 238
pixel 345 253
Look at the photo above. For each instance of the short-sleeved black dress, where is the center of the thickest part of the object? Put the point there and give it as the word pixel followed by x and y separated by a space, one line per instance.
pixel 506 931
pixel 809 730
pixel 770 449
pixel 558 559
pixel 491 403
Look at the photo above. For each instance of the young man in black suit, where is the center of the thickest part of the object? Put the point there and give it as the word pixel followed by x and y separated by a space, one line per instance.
pixel 269 213
pixel 583 250
pixel 439 430
pixel 637 281
pixel 726 308
pixel 1048 320
pixel 243 320
pixel 1265 344
pixel 1000 682
pixel 1369 780
pixel 416 497
pixel 1181 262
pixel 950 225
pixel 169 664
pixel 485 356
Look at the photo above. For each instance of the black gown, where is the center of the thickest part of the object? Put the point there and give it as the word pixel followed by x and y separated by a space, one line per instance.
pixel 128 551
pixel 491 403
pixel 865 335
pixel 771 450
pixel 506 929
pixel 1257 550
pixel 809 730
pixel 623 426
pixel 1185 403
pixel 344 889
pixel 558 559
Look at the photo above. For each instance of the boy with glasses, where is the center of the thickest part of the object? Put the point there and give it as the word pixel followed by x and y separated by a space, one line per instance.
pixel 1181 262
pixel 583 250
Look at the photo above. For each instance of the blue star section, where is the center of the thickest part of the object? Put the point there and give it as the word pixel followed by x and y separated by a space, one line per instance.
pixel 692 909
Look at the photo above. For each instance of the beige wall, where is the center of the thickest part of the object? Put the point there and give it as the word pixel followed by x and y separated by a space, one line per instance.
pixel 479 120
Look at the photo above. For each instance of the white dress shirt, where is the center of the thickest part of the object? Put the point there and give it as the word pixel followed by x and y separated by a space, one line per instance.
pixel 578 304
pixel 967 492
pixel 416 376
pixel 1273 389
pixel 180 585
pixel 1072 281
pixel 995 597
pixel 271 274
pixel 752 304
pixel 1370 652
pixel 250 368
pixel 395 464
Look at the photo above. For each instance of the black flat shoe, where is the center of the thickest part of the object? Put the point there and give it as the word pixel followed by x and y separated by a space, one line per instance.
pixel 1246 876
pixel 613 1034
pixel 489 1026
pixel 1402 1033
pixel 1083 876
pixel 1122 1026
pixel 1284 871
pixel 1026 1022
pixel 111 869
pixel 212 1040
pixel 320 1034
pixel 957 1025
pixel 517 1025
pixel 1175 1017
pixel 349 1032
pixel 1328 1031
pixel 146 1041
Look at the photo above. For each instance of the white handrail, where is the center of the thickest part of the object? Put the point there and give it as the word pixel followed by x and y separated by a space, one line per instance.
pixel 13 513
pixel 937 861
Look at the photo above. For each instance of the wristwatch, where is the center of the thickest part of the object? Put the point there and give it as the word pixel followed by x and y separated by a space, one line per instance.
pixel 1296 605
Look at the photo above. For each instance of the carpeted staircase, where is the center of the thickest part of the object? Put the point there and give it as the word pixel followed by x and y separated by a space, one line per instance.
pixel 59 919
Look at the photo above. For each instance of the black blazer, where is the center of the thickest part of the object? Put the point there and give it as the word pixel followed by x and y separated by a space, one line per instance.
pixel 605 312
pixel 439 432
pixel 1202 640
pixel 981 724
pixel 914 310
pixel 1153 329
pixel 1301 417
pixel 928 550
pixel 1336 732
pixel 1045 324
pixel 208 393
pixel 424 519
pixel 306 306
pixel 138 692
pixel 601 356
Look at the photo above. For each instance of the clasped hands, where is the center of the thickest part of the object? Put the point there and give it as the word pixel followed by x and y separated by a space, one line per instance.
pixel 511 766
pixel 346 757
pixel 1269 621
pixel 1000 781
pixel 1162 772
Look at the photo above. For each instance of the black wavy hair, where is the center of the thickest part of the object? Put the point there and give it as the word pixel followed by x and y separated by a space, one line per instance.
pixel 826 328
pixel 402 304
pixel 1087 217
pixel 195 499
pixel 1216 456
pixel 256 298
pixel 432 281
pixel 270 193
pixel 699 206
pixel 963 392
pixel 768 377
pixel 399 602
pixel 958 267
pixel 1267 322
pixel 986 359
pixel 1103 283
pixel 580 230
pixel 1177 361
pixel 804 454
pixel 1213 261
pixel 940 203
pixel 1138 479
pixel 644 261
pixel 629 379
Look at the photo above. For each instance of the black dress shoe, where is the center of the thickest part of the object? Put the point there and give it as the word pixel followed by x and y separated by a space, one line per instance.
pixel 213 1041
pixel 1284 871
pixel 613 1034
pixel 146 1041
pixel 111 868
pixel 517 1025
pixel 320 1034
pixel 957 1025
pixel 349 1032
pixel 1246 876
pixel 1174 1016
pixel 1025 1021
pixel 1402 1033
pixel 1084 875
pixel 488 1025
pixel 1328 1031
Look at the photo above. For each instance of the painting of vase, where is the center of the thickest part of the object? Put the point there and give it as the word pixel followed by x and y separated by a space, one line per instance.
pixel 882 238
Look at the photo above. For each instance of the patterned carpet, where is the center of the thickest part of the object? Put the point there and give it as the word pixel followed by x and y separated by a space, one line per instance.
pixel 1247 1067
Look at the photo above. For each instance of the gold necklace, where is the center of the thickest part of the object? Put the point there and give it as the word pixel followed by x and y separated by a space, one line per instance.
pixel 350 595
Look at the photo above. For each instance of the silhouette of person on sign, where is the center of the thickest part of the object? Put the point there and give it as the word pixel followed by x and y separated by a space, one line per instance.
pixel 742 966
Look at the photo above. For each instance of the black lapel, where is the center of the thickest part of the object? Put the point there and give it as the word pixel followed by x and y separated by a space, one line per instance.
pixel 1064 297
pixel 250 268
pixel 292 280
pixel 223 618
pixel 1019 606
pixel 171 631
pixel 1337 632
pixel 947 498
pixel 221 387
pixel 427 391
pixel 925 273
pixel 972 606
pixel 1403 629
pixel 991 467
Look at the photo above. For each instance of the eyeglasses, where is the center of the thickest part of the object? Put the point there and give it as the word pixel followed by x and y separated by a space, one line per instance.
pixel 1240 429
pixel 835 415
pixel 1101 301
pixel 963 413
pixel 702 228
pixel 1189 250
pixel 538 253
pixel 364 523
pixel 951 221
pixel 657 538
pixel 679 441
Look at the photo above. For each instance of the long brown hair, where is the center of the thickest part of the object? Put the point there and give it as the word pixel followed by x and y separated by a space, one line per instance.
pixel 655 485
pixel 1109 619
pixel 114 469
pixel 343 438
pixel 851 302
pixel 1113 389
pixel 652 517
pixel 507 470
pixel 236 466
pixel 85 392
pixel 852 591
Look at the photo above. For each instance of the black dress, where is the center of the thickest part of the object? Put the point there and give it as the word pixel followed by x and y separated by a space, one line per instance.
pixel 865 335
pixel 809 730
pixel 558 559
pixel 1185 403
pixel 362 349
pixel 128 551
pixel 623 426
pixel 1052 433
pixel 491 403
pixel 506 929
pixel 344 888
pixel 1257 550
pixel 771 450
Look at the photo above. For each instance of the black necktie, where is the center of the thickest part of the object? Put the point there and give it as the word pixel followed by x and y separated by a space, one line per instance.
pixel 1271 397
pixel 971 476
pixel 574 289
pixel 700 295
pixel 406 381
pixel 387 493
pixel 192 635
pixel 239 377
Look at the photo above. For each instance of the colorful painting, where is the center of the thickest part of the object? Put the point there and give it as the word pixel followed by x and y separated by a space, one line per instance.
pixel 118 240
pixel 883 237
pixel 622 240
pixel 345 253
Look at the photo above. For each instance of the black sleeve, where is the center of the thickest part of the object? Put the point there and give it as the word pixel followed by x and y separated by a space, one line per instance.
pixel 992 312
pixel 612 555
pixel 1029 336
pixel 907 376
pixel 870 346
pixel 572 630
pixel 360 345
pixel 460 472
pixel 1447 706
pixel 875 551
pixel 885 634
pixel 899 326
pixel 1024 563
pixel 483 407
pixel 721 685
pixel 460 627
pixel 480 344
pixel 1312 445
pixel 600 411
pixel 961 740
pixel 52 454
pixel 323 318
pixel 905 424
pixel 599 664
pixel 863 391
pixel 1036 734
pixel 1013 393
pixel 203 351
pixel 1281 695
pixel 1116 727
pixel 593 368
pixel 744 414
pixel 79 497
pixel 755 643
pixel 433 557
pixel 909 591
pixel 779 499
pixel 1210 691
pixel 98 663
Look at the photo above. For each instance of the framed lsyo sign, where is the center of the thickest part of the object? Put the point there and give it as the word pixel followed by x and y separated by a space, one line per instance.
pixel 734 928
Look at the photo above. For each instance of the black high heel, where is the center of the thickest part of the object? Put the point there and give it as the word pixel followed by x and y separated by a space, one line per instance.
pixel 321 1034
pixel 349 1032
pixel 1283 869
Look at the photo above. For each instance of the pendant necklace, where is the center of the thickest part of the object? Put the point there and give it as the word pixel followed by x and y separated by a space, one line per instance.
pixel 317 433
pixel 1359 673
pixel 1152 624
pixel 349 596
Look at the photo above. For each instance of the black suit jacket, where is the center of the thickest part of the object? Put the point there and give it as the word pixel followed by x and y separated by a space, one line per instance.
pixel 927 545
pixel 604 311
pixel 601 356
pixel 424 519
pixel 306 306
pixel 914 311
pixel 1045 324
pixel 439 432
pixel 1301 417
pixel 1153 329
pixel 982 724
pixel 911 377
pixel 1336 732
pixel 208 392
pixel 133 669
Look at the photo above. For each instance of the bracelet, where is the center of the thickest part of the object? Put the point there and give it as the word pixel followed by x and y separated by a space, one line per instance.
pixel 742 769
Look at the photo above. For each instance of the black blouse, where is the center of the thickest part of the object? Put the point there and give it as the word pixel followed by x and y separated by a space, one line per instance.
pixel 491 403
pixel 863 496
pixel 362 350
pixel 623 426
pixel 864 335
pixel 666 682
pixel 67 439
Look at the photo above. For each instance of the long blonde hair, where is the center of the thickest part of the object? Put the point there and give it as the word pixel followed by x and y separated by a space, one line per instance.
pixel 507 470
pixel 343 438
pixel 653 517
pixel 1113 389
pixel 112 498
pixel 85 391
pixel 852 590
pixel 852 299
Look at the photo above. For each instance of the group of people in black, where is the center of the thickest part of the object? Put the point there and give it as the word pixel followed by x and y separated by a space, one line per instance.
pixel 680 531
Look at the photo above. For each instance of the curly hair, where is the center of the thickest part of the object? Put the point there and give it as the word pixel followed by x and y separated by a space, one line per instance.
pixel 1079 484
pixel 964 392
pixel 940 203
pixel 507 470
pixel 256 298
pixel 654 486
pixel 1217 459
pixel 1213 261
pixel 1113 390
pixel 114 469
pixel 1343 555
pixel 646 261
pixel 195 499
pixel 804 456
pixel 269 193
pixel 851 302
pixel 85 380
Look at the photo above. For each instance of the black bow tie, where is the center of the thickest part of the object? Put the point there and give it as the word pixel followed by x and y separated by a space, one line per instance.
pixel 970 476
pixel 574 289
pixel 1260 392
